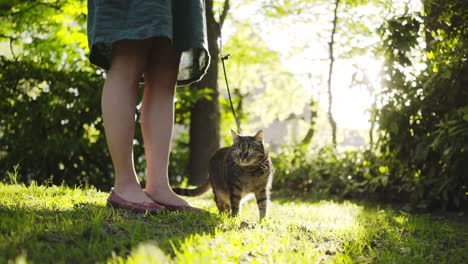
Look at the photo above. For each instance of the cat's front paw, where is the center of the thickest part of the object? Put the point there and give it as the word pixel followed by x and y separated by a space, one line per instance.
pixel 234 213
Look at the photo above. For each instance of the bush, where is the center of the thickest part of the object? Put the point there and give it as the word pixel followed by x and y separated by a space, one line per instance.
pixel 51 125
pixel 178 163
pixel 423 122
pixel 325 173
pixel 363 174
pixel 52 128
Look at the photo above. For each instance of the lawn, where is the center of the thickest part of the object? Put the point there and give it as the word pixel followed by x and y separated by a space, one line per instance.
pixel 58 224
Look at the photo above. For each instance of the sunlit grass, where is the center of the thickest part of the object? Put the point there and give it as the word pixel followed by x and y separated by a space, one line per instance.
pixel 69 225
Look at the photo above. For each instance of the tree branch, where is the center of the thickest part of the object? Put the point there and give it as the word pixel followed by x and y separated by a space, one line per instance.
pixel 330 72
pixel 10 40
pixel 12 51
pixel 223 15
pixel 7 37
pixel 34 5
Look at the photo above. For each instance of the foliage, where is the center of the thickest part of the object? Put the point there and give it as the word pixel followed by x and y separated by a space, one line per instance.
pixel 328 51
pixel 263 90
pixel 421 112
pixel 57 42
pixel 51 126
pixel 56 224
pixel 328 173
pixel 423 123
pixel 185 99
pixel 178 162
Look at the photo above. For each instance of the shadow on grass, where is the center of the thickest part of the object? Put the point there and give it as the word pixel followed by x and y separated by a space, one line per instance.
pixel 90 233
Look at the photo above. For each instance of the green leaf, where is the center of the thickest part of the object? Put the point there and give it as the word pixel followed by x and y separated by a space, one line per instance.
pixel 422 150
pixel 465 117
pixel 394 127
pixel 446 75
pixel 430 55
pixel 384 180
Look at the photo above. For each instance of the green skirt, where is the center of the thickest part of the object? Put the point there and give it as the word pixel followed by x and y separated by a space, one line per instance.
pixel 182 21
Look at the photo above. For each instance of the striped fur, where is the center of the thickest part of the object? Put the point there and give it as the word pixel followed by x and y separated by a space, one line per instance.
pixel 236 171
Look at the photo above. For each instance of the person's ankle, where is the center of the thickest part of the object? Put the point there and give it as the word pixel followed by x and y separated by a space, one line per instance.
pixel 126 187
pixel 161 188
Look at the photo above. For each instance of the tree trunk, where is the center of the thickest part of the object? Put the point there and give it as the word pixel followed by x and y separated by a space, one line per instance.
pixel 205 114
pixel 311 131
pixel 330 71
pixel 373 122
pixel 431 11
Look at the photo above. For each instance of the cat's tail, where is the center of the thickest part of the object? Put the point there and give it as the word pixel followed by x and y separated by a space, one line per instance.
pixel 194 192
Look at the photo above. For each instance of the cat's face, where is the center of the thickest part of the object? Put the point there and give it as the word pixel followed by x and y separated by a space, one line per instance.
pixel 248 150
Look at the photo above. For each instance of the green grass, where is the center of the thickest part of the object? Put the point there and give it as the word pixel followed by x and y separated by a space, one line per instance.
pixel 64 225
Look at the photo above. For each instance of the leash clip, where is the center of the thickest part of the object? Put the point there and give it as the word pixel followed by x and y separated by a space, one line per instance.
pixel 225 57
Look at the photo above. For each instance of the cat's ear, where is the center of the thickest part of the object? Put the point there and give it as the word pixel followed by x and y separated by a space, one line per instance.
pixel 235 136
pixel 259 136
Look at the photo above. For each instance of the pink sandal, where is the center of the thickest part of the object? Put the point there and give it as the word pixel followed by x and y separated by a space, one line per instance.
pixel 116 201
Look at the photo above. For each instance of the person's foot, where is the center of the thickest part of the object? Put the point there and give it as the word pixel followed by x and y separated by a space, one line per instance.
pixel 116 201
pixel 172 202
pixel 132 193
pixel 166 196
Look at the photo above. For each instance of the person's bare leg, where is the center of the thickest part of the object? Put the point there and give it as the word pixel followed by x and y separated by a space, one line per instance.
pixel 129 60
pixel 157 119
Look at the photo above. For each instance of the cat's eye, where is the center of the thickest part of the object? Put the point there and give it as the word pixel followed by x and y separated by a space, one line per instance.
pixel 251 151
pixel 237 151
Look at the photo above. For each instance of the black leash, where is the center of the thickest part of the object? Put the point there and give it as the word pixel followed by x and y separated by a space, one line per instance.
pixel 223 58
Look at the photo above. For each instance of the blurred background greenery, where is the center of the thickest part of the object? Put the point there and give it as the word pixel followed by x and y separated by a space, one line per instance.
pixel 363 99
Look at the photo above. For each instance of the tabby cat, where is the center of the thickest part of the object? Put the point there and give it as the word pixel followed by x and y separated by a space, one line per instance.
pixel 236 171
